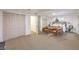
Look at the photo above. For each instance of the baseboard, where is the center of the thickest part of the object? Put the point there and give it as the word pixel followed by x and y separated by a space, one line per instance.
pixel 78 33
pixel 75 32
pixel 27 33
pixel 14 37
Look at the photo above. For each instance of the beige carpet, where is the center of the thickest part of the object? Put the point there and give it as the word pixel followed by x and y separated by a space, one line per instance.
pixel 44 42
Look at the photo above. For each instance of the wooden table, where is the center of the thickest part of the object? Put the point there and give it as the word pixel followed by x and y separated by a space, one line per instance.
pixel 55 30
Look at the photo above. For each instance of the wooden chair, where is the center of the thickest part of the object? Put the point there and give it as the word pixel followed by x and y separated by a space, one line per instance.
pixel 45 29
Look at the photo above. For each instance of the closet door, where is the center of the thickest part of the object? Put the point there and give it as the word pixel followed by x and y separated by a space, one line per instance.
pixel 20 25
pixel 13 25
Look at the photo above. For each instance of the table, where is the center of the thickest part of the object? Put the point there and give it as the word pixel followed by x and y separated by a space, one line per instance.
pixel 55 30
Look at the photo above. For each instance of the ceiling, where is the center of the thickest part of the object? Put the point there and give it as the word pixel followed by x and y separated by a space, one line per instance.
pixel 50 12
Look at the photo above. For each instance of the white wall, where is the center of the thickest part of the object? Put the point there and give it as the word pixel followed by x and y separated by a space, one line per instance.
pixel 39 24
pixel 73 19
pixel 1 26
pixel 27 25
pixel 14 25
pixel 34 24
pixel 44 20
